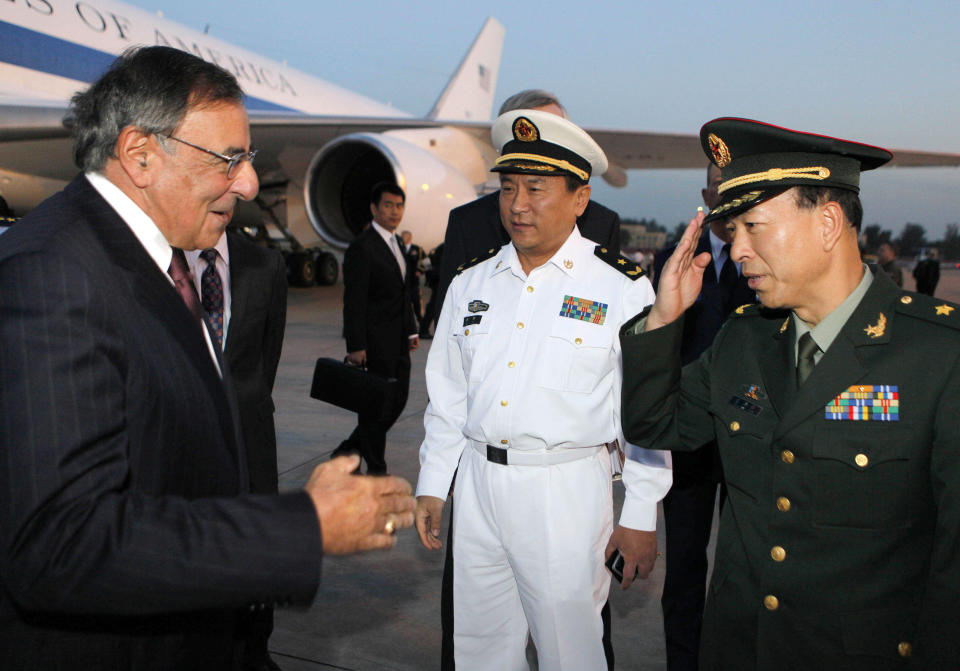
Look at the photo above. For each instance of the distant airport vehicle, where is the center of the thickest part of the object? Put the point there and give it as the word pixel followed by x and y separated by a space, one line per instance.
pixel 321 147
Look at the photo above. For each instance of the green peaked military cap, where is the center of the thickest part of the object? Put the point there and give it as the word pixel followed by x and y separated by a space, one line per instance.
pixel 758 161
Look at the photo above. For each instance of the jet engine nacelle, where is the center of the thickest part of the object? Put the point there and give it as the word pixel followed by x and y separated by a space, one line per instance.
pixel 341 175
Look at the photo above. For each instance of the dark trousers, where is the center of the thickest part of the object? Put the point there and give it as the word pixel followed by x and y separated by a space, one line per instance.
pixel 369 439
pixel 688 516
pixel 430 313
pixel 446 609
pixel 256 627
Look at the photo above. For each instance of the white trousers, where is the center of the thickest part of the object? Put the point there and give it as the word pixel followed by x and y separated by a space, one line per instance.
pixel 528 556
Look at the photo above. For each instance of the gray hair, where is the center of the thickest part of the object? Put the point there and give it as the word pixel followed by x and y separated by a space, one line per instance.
pixel 529 99
pixel 150 88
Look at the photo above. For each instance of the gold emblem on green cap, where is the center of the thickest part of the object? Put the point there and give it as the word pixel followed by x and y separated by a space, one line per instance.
pixel 524 130
pixel 721 154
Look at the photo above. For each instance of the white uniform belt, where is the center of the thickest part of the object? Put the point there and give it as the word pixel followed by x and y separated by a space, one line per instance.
pixel 507 457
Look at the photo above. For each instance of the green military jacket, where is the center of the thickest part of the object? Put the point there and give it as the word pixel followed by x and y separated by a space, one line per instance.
pixel 839 546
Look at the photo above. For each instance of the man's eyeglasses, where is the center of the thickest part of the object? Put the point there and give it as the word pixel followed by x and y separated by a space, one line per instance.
pixel 233 162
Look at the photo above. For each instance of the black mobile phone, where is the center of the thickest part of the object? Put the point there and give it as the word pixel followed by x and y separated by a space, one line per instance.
pixel 615 564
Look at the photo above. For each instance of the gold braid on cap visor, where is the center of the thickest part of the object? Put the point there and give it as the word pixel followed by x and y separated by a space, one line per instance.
pixel 537 158
pixel 775 175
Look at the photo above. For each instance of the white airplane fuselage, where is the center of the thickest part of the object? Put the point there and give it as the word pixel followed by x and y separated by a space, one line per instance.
pixel 320 146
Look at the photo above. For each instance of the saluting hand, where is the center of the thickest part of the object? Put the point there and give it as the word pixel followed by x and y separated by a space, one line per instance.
pixel 680 279
pixel 358 512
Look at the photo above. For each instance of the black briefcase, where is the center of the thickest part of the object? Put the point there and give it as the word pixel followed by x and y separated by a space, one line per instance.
pixel 353 388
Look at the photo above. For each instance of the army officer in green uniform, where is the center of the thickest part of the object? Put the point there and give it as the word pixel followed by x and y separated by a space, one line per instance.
pixel 836 407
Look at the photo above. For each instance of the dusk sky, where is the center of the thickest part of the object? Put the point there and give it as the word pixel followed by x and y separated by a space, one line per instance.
pixel 879 72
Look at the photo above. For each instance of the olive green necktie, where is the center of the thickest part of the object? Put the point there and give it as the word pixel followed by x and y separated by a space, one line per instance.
pixel 806 349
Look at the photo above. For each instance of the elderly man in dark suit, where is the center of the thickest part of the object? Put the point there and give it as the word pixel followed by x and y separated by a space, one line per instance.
pixel 833 405
pixel 378 321
pixel 688 506
pixel 243 288
pixel 129 537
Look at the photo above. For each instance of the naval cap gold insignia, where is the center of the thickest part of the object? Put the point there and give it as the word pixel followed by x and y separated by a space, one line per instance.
pixel 721 154
pixel 524 130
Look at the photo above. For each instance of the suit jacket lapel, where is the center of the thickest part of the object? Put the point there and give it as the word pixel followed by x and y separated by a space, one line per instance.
pixel 154 293
pixel 844 363
pixel 777 366
pixel 242 278
pixel 386 254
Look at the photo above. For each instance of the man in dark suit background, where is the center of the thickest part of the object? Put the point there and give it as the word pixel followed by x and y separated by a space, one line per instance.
pixel 474 229
pixel 688 506
pixel 129 537
pixel 378 321
pixel 245 286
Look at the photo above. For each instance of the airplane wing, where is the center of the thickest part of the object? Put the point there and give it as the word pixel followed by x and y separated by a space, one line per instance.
pixel 27 124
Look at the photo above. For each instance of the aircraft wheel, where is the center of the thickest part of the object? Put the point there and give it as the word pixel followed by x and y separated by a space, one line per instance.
pixel 327 269
pixel 301 269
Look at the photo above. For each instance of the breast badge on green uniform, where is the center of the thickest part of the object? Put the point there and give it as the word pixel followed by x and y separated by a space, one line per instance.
pixel 618 262
pixel 583 309
pixel 748 394
pixel 866 403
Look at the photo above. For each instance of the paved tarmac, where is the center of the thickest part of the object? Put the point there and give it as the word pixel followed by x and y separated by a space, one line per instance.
pixel 381 611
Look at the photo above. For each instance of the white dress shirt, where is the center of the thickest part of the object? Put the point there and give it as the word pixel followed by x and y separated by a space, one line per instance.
pixel 222 266
pixel 719 256
pixel 143 228
pixel 394 245
pixel 506 369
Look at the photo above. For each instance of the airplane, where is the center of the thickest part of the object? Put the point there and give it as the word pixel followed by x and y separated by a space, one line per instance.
pixel 320 146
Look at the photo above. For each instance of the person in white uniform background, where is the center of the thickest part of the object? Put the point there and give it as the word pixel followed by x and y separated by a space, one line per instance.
pixel 524 382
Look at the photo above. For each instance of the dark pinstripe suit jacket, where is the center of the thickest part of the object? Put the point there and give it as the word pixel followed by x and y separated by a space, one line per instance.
pixel 126 538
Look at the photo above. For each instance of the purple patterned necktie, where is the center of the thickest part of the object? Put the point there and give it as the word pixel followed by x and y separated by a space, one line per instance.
pixel 211 289
pixel 181 276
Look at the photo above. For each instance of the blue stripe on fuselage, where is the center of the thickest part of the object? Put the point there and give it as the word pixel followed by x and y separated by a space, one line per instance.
pixel 37 51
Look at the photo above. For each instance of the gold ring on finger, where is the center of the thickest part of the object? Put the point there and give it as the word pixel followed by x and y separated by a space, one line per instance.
pixel 389 527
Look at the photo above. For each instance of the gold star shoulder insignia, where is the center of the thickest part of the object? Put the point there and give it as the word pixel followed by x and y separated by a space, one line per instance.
pixel 934 311
pixel 619 263
pixel 878 329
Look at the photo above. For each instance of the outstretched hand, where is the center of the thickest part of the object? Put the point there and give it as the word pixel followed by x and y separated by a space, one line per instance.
pixel 354 510
pixel 680 279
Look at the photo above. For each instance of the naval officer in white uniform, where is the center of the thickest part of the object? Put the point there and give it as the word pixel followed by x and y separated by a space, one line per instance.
pixel 524 381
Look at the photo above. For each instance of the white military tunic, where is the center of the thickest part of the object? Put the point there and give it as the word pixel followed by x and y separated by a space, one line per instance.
pixel 533 364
